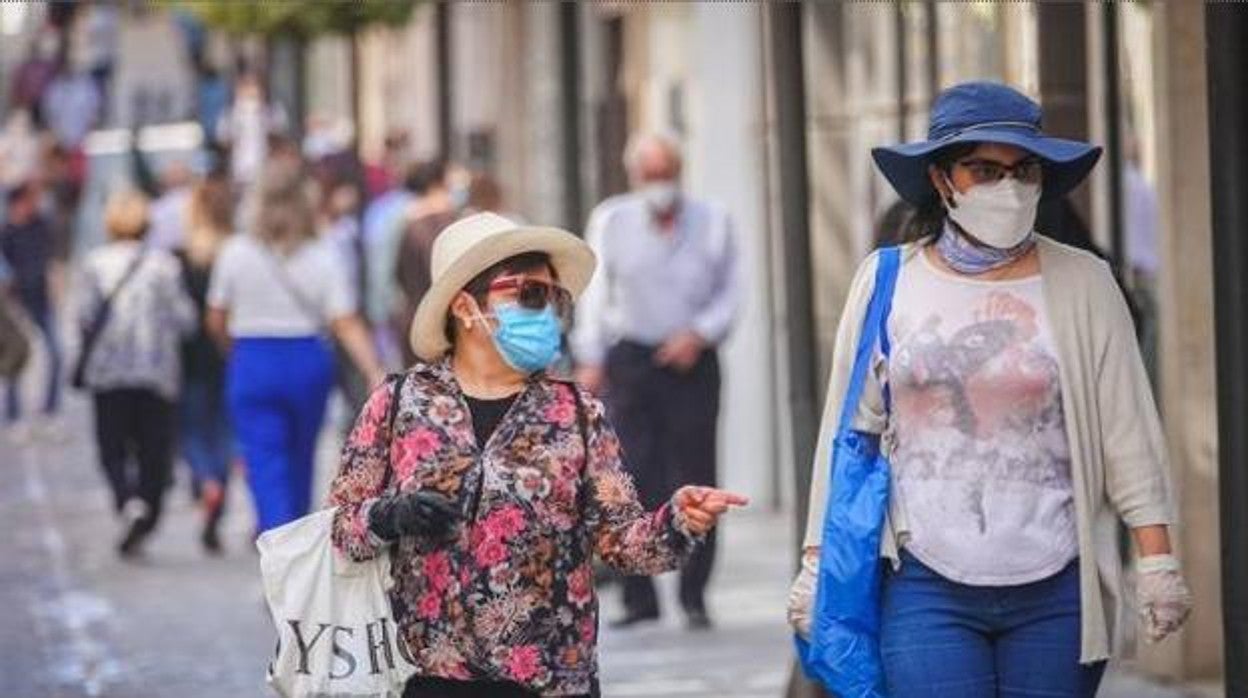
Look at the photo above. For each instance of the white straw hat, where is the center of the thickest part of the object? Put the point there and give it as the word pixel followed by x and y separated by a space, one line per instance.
pixel 473 244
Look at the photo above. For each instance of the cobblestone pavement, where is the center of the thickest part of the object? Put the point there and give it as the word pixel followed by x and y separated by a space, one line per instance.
pixel 79 622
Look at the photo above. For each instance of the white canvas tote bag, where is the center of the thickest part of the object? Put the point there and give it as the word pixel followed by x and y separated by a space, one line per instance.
pixel 336 633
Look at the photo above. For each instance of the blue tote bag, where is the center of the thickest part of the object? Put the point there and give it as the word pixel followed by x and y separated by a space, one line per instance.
pixel 843 650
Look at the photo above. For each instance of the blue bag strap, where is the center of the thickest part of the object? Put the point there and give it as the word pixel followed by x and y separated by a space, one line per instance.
pixel 873 328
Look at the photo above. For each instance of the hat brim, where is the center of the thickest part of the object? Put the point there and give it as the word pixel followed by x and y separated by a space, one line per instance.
pixel 573 260
pixel 1066 162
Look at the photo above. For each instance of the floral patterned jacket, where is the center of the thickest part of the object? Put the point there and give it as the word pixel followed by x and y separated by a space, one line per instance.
pixel 512 598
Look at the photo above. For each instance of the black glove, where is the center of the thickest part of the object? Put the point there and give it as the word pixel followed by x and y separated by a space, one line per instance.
pixel 420 513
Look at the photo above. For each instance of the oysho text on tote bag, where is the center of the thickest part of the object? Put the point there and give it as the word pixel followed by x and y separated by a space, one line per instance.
pixel 336 631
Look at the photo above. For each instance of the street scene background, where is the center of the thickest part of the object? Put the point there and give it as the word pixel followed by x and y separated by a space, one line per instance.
pixel 525 108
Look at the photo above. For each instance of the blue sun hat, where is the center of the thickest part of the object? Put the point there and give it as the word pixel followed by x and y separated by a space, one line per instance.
pixel 984 112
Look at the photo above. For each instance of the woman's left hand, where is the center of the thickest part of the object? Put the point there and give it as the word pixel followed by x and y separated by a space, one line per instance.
pixel 701 506
pixel 1163 597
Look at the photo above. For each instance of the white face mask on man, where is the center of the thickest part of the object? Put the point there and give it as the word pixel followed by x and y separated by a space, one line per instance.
pixel 1000 215
pixel 660 196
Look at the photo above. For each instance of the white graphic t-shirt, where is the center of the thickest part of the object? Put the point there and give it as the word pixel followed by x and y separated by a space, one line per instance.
pixel 980 459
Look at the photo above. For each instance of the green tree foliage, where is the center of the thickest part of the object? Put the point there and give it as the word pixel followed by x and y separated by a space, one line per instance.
pixel 304 18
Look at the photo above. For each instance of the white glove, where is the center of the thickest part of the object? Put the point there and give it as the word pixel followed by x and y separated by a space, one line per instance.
pixel 1163 597
pixel 802 593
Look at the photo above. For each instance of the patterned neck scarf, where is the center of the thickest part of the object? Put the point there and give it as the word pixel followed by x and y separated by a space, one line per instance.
pixel 966 257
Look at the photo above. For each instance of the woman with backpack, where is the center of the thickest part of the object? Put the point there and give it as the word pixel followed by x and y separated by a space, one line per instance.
pixel 496 484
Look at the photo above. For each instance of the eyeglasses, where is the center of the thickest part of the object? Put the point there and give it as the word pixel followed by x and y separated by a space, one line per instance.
pixel 535 294
pixel 1027 171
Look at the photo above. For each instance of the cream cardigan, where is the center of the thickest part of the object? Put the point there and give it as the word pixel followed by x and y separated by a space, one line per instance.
pixel 1118 456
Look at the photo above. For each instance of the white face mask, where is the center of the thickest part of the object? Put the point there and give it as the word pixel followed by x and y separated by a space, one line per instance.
pixel 999 215
pixel 661 196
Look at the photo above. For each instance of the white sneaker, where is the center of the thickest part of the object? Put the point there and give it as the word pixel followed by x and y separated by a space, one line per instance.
pixel 136 527
pixel 134 509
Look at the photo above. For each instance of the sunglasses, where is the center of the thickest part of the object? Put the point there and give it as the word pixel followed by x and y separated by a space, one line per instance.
pixel 535 294
pixel 1027 171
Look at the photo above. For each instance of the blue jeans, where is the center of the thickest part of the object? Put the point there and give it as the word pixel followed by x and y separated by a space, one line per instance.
pixel 942 639
pixel 277 391
pixel 204 434
pixel 43 318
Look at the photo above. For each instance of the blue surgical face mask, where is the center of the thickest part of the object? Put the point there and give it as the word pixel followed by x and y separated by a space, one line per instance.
pixel 459 196
pixel 528 340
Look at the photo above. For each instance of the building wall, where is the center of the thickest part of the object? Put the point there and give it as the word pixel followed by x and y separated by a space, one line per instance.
pixel 726 164
pixel 852 105
pixel 399 86
pixel 327 74
pixel 1189 382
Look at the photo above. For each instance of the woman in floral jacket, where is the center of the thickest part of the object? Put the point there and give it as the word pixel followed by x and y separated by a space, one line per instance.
pixel 500 482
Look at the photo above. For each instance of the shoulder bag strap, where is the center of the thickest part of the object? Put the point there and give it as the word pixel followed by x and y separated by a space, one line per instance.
pixel 312 310
pixel 582 423
pixel 396 396
pixel 873 328
pixel 107 304
pixel 100 318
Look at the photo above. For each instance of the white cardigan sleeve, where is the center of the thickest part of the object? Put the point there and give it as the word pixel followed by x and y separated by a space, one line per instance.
pixel 870 417
pixel 1137 477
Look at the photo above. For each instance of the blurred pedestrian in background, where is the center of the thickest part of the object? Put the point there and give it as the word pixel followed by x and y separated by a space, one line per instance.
pixel 340 219
pixel 63 175
pixel 19 150
pixel 384 222
pixel 27 243
pixel 14 344
pixel 484 193
pixel 36 73
pixel 1019 425
pixel 169 212
pixel 386 175
pixel 204 435
pixel 434 207
pixel 247 126
pixel 212 100
pixel 94 45
pixel 71 107
pixel 276 290
pixel 135 296
pixel 499 483
pixel 647 331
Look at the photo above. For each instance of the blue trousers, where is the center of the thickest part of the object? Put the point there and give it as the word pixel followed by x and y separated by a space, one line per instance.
pixel 942 639
pixel 204 433
pixel 277 389
pixel 43 318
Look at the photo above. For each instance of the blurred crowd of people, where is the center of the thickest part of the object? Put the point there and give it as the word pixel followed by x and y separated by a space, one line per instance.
pixel 242 282
pixel 282 262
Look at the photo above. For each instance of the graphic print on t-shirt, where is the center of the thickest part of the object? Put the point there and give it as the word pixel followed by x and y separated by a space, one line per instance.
pixel 980 455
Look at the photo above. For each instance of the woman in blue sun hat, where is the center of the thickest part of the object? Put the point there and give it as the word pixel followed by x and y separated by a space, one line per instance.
pixel 1018 422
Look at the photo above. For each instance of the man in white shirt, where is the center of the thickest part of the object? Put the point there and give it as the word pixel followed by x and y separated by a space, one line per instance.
pixel 167 230
pixel 71 107
pixel 646 335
